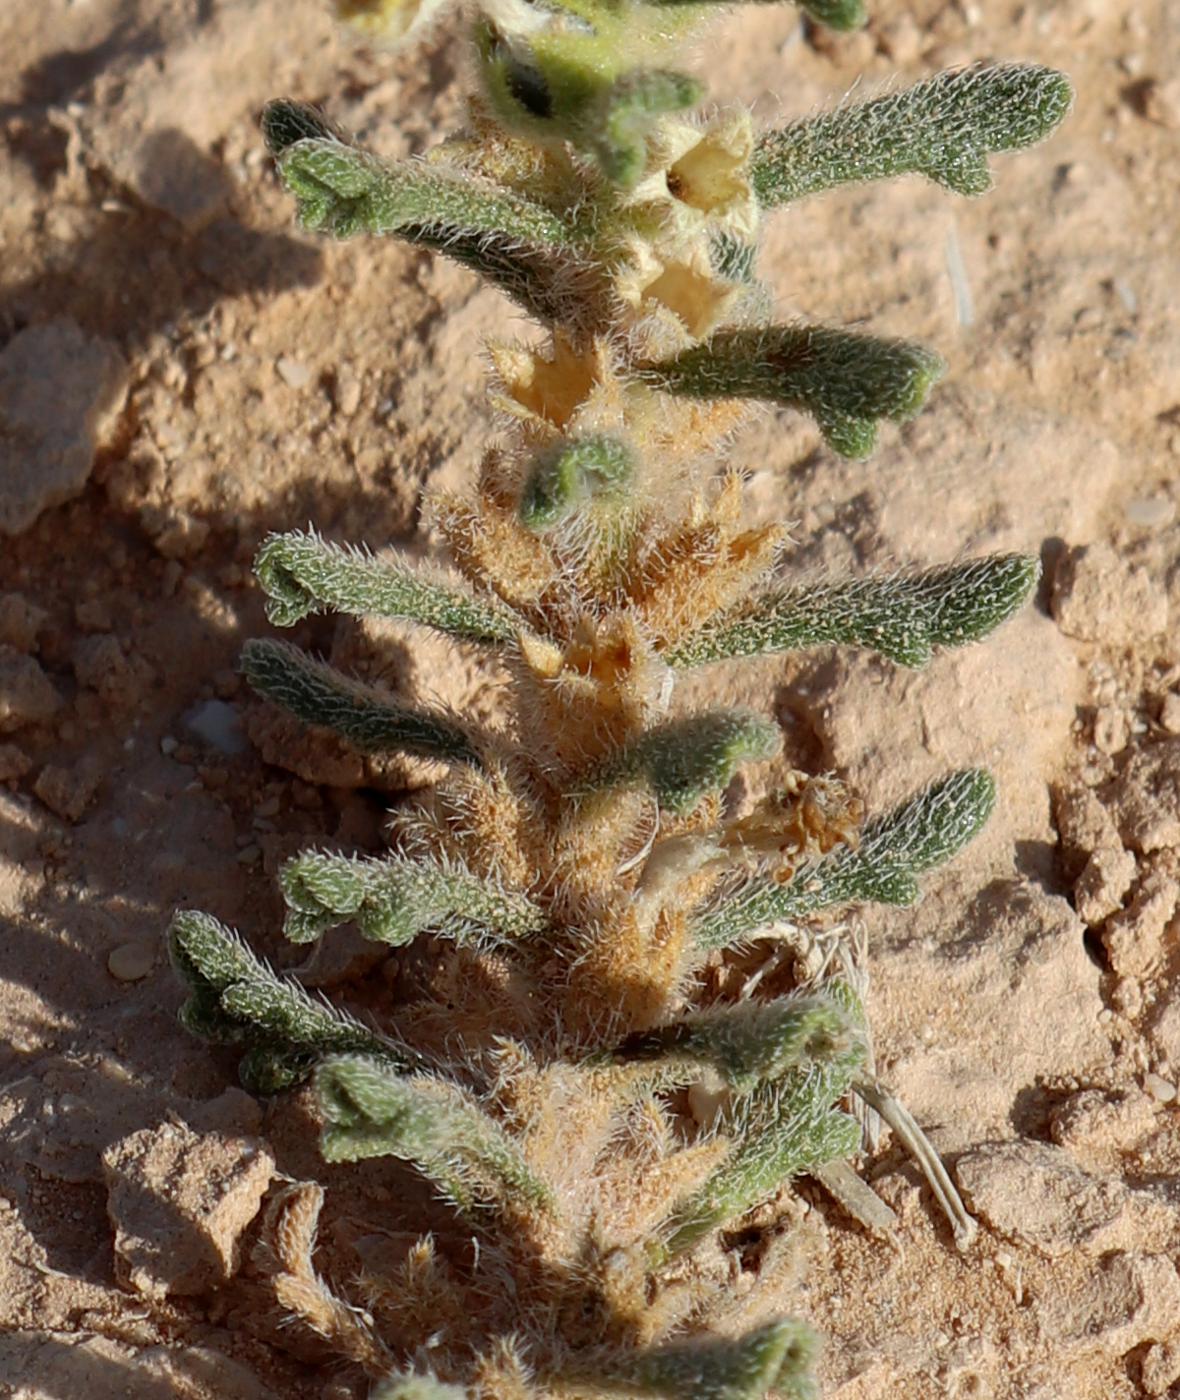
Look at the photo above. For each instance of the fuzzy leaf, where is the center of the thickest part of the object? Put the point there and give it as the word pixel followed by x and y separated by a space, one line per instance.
pixel 748 1042
pixel 685 759
pixel 303 574
pixel 516 244
pixel 236 997
pixel 944 128
pixel 370 1111
pixel 781 1129
pixel 562 477
pixel 846 381
pixel 779 1356
pixel 393 900
pixel 904 617
pixel 368 718
pixel 919 835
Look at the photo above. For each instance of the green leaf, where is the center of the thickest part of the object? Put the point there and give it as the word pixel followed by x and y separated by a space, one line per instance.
pixel 904 616
pixel 844 380
pixel 368 718
pixel 748 1042
pixel 394 900
pixel 778 1356
pixel 236 997
pixel 370 1111
pixel 684 760
pixel 303 574
pixel 779 1130
pixel 518 245
pixel 919 835
pixel 943 128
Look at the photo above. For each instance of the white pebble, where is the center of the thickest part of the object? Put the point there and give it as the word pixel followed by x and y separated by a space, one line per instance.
pixel 1150 512
pixel 131 961
pixel 294 374
pixel 1159 1088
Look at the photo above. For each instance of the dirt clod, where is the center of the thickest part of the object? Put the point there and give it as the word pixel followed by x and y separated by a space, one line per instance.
pixel 180 1201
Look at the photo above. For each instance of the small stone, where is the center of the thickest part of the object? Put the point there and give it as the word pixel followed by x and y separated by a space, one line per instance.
pixel 180 1203
pixel 169 745
pixel 293 373
pixel 1108 875
pixel 346 391
pixel 130 962
pixel 1150 512
pixel 59 387
pixel 217 724
pixel 67 791
pixel 249 854
pixel 27 695
pixel 1159 1088
pixel 20 621
pixel 1170 714
pixel 1111 729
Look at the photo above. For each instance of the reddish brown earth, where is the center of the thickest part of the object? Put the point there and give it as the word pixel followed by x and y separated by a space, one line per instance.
pixel 180 372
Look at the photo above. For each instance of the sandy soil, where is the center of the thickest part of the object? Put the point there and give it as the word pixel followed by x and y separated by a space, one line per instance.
pixel 180 373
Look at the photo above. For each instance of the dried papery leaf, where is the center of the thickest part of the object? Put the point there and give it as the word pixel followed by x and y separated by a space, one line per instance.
pixel 288 1247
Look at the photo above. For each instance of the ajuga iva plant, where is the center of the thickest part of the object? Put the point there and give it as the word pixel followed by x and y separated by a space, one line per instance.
pixel 601 1115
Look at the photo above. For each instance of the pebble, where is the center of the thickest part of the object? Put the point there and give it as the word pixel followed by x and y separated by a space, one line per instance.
pixel 347 391
pixel 67 791
pixel 293 373
pixel 1170 714
pixel 1150 512
pixel 1159 1088
pixel 131 961
pixel 217 724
